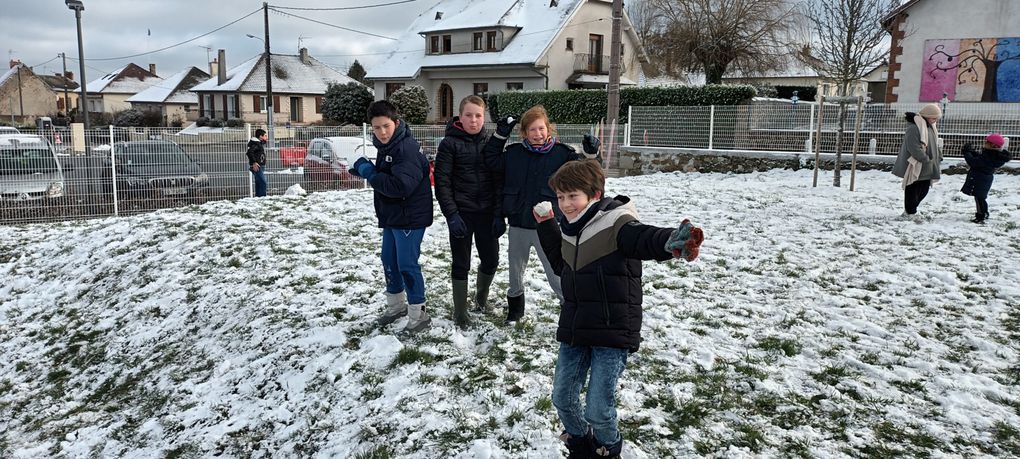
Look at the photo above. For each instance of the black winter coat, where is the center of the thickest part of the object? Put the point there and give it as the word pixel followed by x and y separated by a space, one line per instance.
pixel 982 169
pixel 600 272
pixel 403 194
pixel 256 152
pixel 463 182
pixel 525 177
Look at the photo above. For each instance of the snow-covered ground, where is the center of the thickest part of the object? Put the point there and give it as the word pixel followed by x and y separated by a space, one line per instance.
pixel 814 324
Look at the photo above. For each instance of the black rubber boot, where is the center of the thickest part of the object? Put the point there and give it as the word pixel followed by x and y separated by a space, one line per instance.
pixel 482 293
pixel 515 308
pixel 460 308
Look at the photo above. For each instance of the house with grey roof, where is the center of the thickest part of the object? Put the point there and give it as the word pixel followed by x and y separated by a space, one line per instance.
pixel 109 94
pixel 299 83
pixel 463 47
pixel 24 96
pixel 66 89
pixel 172 97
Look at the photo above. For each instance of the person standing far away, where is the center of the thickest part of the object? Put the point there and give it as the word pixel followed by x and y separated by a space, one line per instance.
pixel 526 167
pixel 468 197
pixel 402 194
pixel 919 163
pixel 257 160
pixel 982 164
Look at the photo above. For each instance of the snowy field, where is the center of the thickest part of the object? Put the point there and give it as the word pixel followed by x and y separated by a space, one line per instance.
pixel 815 324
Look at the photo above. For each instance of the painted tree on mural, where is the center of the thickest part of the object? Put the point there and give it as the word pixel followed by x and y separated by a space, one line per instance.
pixel 967 60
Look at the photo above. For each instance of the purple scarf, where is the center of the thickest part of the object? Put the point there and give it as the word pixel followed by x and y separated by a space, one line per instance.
pixel 541 149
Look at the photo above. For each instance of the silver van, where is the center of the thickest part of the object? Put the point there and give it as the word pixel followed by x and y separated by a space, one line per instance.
pixel 29 169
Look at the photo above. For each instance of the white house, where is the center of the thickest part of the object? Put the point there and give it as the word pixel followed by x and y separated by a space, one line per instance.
pixel 109 94
pixel 462 47
pixel 964 51
pixel 172 97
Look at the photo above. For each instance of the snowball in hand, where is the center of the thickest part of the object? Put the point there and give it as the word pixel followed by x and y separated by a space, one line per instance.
pixel 543 208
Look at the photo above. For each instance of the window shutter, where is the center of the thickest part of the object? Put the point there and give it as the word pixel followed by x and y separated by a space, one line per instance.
pixel 256 101
pixel 225 107
pixel 318 104
pixel 276 104
pixel 201 105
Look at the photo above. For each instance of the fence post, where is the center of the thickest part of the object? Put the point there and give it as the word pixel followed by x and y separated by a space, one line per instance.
pixel 711 126
pixel 626 131
pixel 811 131
pixel 113 173
pixel 111 137
pixel 873 146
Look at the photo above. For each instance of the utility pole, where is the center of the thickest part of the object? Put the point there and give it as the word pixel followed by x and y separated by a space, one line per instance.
pixel 21 97
pixel 269 78
pixel 67 100
pixel 613 105
pixel 78 7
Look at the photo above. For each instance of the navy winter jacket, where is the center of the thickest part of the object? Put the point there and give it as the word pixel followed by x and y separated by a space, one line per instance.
pixel 598 259
pixel 526 177
pixel 982 169
pixel 403 194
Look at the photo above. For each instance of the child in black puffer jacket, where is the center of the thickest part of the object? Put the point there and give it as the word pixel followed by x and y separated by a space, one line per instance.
pixel 982 171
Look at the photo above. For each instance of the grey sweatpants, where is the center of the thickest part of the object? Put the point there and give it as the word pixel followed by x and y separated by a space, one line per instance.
pixel 521 242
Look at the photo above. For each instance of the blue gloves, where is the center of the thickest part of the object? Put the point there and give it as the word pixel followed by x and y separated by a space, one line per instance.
pixel 458 228
pixel 363 168
pixel 498 227
pixel 505 126
pixel 591 145
pixel 685 241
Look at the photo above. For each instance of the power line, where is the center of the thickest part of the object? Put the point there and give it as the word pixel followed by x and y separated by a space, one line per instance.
pixel 47 62
pixel 341 8
pixel 332 25
pixel 178 44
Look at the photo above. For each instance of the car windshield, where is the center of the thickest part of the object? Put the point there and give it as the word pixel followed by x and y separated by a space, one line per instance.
pixel 26 159
pixel 154 154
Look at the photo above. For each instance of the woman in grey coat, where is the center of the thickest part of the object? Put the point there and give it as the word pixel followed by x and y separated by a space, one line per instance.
pixel 920 158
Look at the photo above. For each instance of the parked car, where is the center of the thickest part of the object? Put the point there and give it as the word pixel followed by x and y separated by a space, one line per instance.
pixel 157 168
pixel 29 169
pixel 294 156
pixel 328 158
pixel 7 130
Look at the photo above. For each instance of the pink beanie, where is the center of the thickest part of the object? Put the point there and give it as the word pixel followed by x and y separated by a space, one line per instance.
pixel 995 140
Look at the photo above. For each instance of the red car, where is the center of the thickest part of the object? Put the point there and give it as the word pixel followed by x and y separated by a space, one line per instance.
pixel 294 156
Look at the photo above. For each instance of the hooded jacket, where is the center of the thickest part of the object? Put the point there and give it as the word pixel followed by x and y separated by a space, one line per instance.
pixel 463 183
pixel 982 169
pixel 930 155
pixel 526 176
pixel 402 192
pixel 598 259
pixel 256 152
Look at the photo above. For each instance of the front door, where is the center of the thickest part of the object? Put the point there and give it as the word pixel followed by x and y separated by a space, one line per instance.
pixel 295 109
pixel 595 53
pixel 445 102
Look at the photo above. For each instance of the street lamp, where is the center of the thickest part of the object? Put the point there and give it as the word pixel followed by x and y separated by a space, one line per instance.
pixel 269 88
pixel 78 7
pixel 945 103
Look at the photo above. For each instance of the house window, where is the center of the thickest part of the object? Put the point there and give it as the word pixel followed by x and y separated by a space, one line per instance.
pixel 515 86
pixel 207 106
pixel 434 44
pixel 481 89
pixel 392 88
pixel 318 104
pixel 477 42
pixel 447 44
pixel 263 105
pixel 490 41
pixel 570 44
pixel 231 106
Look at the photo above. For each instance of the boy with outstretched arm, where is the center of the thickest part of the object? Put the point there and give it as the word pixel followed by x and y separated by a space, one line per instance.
pixel 596 248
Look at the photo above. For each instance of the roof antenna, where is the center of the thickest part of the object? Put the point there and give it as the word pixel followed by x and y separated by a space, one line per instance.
pixel 299 40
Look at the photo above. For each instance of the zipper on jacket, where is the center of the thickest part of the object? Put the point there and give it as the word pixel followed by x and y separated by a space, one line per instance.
pixel 573 284
pixel 602 290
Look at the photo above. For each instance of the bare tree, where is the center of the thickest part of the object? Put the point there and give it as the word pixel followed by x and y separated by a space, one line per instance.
pixel 848 38
pixel 717 35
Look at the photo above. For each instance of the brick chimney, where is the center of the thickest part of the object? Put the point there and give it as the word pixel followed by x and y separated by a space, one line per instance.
pixel 152 69
pixel 213 68
pixel 15 63
pixel 221 67
pixel 69 75
pixel 303 52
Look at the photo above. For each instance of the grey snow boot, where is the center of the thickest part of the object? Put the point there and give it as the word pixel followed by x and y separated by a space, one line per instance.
pixel 514 308
pixel 460 308
pixel 482 292
pixel 417 319
pixel 396 307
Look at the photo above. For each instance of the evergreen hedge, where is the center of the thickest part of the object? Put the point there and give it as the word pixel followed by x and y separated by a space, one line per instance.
pixel 587 106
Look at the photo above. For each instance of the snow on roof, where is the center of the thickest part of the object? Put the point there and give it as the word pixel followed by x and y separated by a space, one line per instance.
pixel 9 73
pixel 117 83
pixel 539 24
pixel 170 90
pixel 290 75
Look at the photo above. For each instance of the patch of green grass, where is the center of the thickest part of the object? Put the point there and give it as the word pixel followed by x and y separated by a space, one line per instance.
pixel 544 404
pixel 185 451
pixel 409 355
pixel 234 262
pixel 832 375
pixel 790 347
pixel 750 437
pixel 514 417
pixel 914 386
pixel 1006 437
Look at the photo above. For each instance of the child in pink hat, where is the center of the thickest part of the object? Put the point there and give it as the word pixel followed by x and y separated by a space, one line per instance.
pixel 982 171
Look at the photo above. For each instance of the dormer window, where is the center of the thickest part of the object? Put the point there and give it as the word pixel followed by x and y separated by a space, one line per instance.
pixel 447 44
pixel 434 44
pixel 490 41
pixel 476 42
pixel 439 15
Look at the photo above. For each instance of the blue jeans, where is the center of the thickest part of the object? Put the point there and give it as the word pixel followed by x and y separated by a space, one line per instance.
pixel 260 181
pixel 572 366
pixel 400 252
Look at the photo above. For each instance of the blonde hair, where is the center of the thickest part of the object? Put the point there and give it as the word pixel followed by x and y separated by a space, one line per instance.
pixel 472 99
pixel 533 114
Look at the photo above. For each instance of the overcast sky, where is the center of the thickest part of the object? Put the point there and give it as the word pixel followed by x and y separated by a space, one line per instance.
pixel 36 31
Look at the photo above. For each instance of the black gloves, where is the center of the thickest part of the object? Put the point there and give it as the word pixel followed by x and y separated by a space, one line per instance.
pixel 498 227
pixel 591 145
pixel 505 126
pixel 458 228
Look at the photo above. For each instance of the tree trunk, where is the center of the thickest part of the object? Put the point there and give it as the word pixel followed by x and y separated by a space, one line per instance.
pixel 714 73
pixel 990 93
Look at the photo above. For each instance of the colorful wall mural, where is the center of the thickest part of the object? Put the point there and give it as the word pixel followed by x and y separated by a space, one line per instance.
pixel 971 69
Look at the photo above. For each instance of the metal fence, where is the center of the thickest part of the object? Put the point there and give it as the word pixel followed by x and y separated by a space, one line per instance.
pixel 779 126
pixel 122 171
